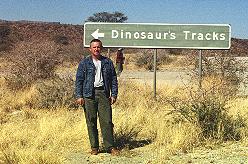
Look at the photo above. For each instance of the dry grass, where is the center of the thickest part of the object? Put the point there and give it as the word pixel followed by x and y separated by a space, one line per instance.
pixel 35 136
pixel 239 108
pixel 152 119
pixel 48 136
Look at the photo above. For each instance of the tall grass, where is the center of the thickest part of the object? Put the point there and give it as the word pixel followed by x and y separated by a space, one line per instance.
pixel 35 136
pixel 152 121
pixel 31 135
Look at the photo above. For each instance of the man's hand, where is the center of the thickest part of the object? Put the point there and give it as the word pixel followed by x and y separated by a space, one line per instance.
pixel 80 101
pixel 112 100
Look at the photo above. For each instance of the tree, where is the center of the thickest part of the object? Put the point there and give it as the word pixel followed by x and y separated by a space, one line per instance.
pixel 107 17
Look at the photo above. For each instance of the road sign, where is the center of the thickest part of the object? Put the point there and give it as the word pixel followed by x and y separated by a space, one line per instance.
pixel 151 35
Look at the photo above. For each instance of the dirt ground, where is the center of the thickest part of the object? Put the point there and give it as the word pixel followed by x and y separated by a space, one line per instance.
pixel 228 153
pixel 170 77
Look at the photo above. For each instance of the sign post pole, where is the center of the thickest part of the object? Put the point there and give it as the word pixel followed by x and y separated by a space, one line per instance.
pixel 109 52
pixel 200 69
pixel 155 73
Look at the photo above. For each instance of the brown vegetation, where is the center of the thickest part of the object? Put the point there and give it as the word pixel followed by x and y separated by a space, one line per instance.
pixel 68 38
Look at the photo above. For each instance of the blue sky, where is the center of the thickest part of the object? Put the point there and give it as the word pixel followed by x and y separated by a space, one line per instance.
pixel 234 12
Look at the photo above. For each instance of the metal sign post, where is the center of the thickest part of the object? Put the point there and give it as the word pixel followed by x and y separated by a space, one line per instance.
pixel 200 69
pixel 109 52
pixel 155 73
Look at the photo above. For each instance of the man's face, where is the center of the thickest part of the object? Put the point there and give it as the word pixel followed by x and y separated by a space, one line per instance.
pixel 95 49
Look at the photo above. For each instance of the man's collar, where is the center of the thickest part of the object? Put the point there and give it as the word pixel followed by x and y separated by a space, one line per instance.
pixel 100 58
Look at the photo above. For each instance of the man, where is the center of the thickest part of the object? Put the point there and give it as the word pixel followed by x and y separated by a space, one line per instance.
pixel 97 89
pixel 119 61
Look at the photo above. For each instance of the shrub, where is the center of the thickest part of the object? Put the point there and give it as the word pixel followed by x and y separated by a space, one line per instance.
pixel 5 43
pixel 208 110
pixel 146 60
pixel 8 37
pixel 4 31
pixel 175 51
pixel 60 39
pixel 229 69
pixel 26 72
pixel 72 53
pixel 30 63
pixel 125 137
pixel 57 92
pixel 164 59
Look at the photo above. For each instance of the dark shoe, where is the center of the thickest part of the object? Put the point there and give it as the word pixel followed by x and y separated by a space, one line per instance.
pixel 94 151
pixel 114 152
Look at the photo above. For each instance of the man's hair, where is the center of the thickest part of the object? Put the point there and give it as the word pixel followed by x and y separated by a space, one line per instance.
pixel 95 40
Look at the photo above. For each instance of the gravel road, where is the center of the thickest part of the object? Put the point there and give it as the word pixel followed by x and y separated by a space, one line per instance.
pixel 170 77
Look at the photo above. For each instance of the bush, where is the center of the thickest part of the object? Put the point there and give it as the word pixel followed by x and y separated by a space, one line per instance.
pixel 31 64
pixel 223 65
pixel 175 51
pixel 8 37
pixel 208 110
pixel 72 53
pixel 228 68
pixel 5 43
pixel 57 92
pixel 25 73
pixel 60 39
pixel 146 60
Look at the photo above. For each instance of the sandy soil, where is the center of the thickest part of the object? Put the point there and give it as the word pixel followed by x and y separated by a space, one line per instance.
pixel 170 77
pixel 228 153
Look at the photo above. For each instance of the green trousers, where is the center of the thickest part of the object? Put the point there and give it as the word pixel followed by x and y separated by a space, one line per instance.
pixel 100 105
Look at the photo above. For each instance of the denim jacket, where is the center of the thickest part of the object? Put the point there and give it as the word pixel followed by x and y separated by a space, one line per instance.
pixel 85 78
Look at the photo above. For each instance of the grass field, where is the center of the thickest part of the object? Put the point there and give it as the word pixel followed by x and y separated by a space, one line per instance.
pixel 151 128
pixel 41 124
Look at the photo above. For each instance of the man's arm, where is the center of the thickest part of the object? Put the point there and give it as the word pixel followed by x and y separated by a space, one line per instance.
pixel 114 84
pixel 80 101
pixel 79 84
pixel 112 100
